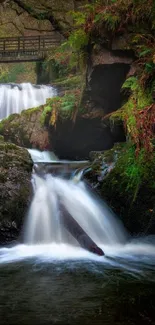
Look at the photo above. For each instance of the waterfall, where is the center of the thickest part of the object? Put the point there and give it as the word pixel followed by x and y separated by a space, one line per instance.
pixel 17 97
pixel 59 200
pixel 42 156
pixel 44 224
pixel 60 197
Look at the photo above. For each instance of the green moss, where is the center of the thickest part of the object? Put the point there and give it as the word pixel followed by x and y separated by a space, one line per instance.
pixel 47 109
pixel 7 120
pixel 6 146
pixel 138 115
pixel 62 107
pixel 28 112
pixel 2 124
pixel 129 188
pixel 70 82
pixel 131 172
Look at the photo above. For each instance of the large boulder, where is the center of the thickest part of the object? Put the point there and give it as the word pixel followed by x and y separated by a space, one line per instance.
pixel 127 186
pixel 15 189
pixel 25 129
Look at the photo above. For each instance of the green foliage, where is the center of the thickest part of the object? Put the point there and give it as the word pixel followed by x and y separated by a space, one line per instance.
pixel 47 109
pixel 61 107
pixel 69 82
pixel 132 172
pixel 4 71
pixel 111 20
pixel 59 58
pixel 6 120
pixel 30 111
pixel 102 20
pixel 70 55
pixel 17 72
pixel 138 115
pixel 131 83
pixel 78 39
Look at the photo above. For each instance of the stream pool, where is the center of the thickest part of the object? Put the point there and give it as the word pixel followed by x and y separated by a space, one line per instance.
pixel 49 284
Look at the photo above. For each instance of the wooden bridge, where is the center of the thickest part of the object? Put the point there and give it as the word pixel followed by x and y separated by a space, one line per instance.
pixel 27 48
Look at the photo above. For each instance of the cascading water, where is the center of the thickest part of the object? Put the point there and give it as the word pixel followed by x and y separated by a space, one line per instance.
pixel 53 195
pixel 63 193
pixel 44 226
pixel 42 156
pixel 17 97
pixel 64 283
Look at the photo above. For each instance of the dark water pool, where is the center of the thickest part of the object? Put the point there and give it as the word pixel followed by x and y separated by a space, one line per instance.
pixel 76 292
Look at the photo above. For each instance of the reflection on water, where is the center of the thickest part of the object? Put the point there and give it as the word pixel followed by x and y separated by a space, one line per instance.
pixel 38 286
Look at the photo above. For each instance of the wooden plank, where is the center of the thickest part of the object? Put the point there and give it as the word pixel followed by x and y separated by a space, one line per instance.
pixel 29 48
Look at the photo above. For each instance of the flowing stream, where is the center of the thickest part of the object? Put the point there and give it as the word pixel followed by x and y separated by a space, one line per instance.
pixel 48 278
pixel 45 237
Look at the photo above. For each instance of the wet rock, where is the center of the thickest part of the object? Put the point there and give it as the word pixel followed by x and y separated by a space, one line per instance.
pixel 25 129
pixel 102 163
pixel 135 206
pixel 15 189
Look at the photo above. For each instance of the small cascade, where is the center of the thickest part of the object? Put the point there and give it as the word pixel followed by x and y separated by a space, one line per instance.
pixel 66 221
pixel 42 156
pixel 51 194
pixel 17 97
pixel 63 206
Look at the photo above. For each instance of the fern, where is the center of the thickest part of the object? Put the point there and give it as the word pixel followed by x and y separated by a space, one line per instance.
pixel 138 115
pixel 61 107
pixel 111 20
pixel 78 39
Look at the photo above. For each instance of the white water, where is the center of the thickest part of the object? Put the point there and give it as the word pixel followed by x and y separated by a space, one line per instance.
pixel 134 257
pixel 43 225
pixel 42 156
pixel 14 98
pixel 47 241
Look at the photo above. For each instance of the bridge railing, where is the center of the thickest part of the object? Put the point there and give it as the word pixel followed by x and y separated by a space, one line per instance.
pixel 29 43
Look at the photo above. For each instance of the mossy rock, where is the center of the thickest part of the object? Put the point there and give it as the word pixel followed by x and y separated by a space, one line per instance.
pixel 131 196
pixel 25 129
pixel 15 189
pixel 69 82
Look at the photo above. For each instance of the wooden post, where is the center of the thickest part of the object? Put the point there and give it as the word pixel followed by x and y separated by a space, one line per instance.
pixel 39 42
pixel 23 44
pixel 18 44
